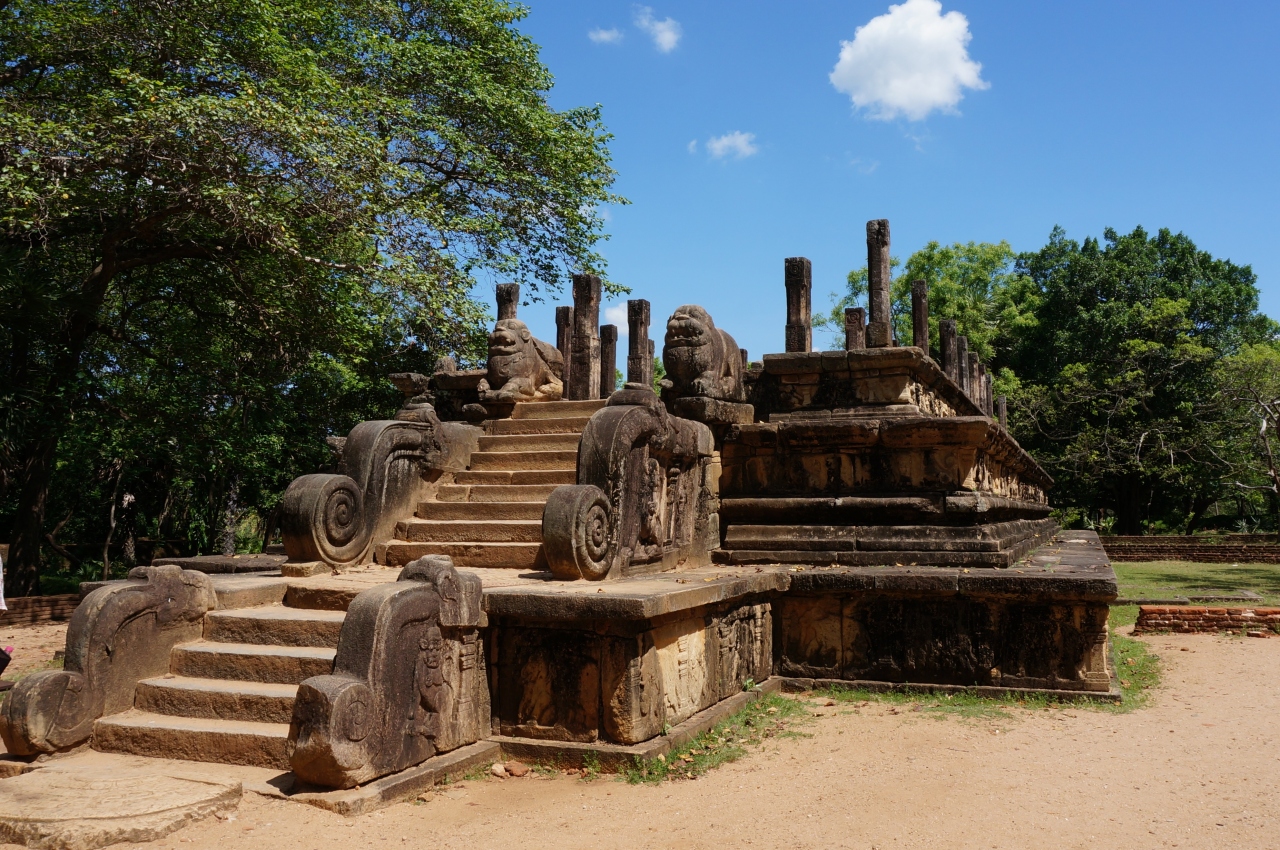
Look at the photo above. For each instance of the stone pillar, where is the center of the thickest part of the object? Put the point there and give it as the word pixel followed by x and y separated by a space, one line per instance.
pixel 855 329
pixel 973 377
pixel 608 359
pixel 746 361
pixel 982 386
pixel 1002 411
pixel 639 346
pixel 920 315
pixel 947 346
pixel 986 395
pixel 564 342
pixel 962 362
pixel 508 299
pixel 799 280
pixel 879 307
pixel 585 375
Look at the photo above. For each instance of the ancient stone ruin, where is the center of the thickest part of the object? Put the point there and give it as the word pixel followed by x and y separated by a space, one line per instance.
pixel 524 560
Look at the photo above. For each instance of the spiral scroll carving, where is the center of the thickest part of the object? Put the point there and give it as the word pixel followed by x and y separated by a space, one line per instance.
pixel 578 532
pixel 324 520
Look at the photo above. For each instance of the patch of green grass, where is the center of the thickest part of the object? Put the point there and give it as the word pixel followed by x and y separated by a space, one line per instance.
pixel 767 717
pixel 1163 579
pixel 478 773
pixel 1138 671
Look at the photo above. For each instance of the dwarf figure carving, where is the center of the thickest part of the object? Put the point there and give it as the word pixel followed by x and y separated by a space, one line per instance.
pixel 521 367
pixel 432 688
pixel 700 359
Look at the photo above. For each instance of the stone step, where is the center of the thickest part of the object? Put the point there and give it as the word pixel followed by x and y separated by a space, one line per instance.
pixel 566 459
pixel 515 556
pixel 250 662
pixel 787 537
pixel 557 409
pixel 518 476
pixel 275 625
pixel 193 738
pixel 495 492
pixel 531 443
pixel 512 427
pixel 480 511
pixel 470 531
pixel 184 696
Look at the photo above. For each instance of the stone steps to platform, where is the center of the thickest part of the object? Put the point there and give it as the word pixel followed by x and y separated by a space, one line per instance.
pixel 490 516
pixel 469 530
pixel 219 699
pixel 274 624
pixel 219 740
pixel 251 662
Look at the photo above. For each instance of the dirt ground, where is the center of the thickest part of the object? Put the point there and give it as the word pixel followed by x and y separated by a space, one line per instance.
pixel 1198 767
pixel 33 646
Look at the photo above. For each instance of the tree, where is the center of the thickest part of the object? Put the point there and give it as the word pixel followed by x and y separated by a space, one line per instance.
pixel 1250 382
pixel 267 165
pixel 1117 391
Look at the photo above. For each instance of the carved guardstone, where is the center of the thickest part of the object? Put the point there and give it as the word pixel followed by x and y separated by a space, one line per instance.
pixel 408 680
pixel 584 382
pixel 798 273
pixel 521 367
pixel 879 319
pixel 120 634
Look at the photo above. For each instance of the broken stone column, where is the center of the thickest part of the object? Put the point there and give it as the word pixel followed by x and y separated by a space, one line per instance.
pixel 1002 410
pixel 962 362
pixel 508 299
pixel 855 329
pixel 920 315
pixel 973 377
pixel 983 383
pixel 564 342
pixel 639 346
pixel 986 395
pixel 584 382
pixel 879 319
pixel 608 359
pixel 799 280
pixel 947 346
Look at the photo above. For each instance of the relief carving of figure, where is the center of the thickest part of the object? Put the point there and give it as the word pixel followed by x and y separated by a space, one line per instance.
pixel 700 359
pixel 521 367
pixel 434 692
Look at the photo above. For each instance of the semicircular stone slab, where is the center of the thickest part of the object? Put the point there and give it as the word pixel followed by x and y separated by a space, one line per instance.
pixel 91 800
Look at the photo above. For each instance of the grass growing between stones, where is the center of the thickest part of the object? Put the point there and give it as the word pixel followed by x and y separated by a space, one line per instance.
pixel 771 716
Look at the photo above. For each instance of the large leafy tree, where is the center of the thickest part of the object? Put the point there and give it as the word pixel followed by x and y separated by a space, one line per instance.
pixel 256 167
pixel 1118 390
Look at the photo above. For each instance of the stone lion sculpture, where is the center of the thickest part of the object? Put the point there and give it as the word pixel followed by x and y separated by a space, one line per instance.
pixel 700 359
pixel 521 366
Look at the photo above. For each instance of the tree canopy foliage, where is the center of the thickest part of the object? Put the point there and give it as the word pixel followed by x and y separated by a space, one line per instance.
pixel 221 222
pixel 1131 365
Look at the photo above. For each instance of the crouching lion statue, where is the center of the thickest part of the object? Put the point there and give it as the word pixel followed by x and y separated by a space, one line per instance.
pixel 521 366
pixel 700 359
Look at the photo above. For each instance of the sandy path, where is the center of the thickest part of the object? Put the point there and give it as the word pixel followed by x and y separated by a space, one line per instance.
pixel 1200 767
pixel 33 646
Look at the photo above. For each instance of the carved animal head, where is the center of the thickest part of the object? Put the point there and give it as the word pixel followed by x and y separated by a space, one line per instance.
pixel 689 325
pixel 514 351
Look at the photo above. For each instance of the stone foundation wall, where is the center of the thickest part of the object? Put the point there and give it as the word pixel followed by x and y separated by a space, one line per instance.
pixel 1188 619
pixel 623 682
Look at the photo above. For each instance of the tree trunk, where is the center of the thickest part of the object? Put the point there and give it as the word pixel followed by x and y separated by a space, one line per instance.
pixel 22 571
pixel 231 516
pixel 1129 506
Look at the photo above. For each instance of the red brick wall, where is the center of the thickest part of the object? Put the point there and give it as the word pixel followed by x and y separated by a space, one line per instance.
pixel 1166 549
pixel 1192 618
pixel 25 610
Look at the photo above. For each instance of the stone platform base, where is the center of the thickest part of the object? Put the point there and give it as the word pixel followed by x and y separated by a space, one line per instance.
pixel 224 564
pixel 616 756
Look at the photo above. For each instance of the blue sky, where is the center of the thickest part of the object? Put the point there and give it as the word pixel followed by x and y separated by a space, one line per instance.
pixel 1082 114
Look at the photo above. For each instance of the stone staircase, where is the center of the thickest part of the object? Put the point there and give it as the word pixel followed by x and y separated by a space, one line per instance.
pixel 491 516
pixel 229 697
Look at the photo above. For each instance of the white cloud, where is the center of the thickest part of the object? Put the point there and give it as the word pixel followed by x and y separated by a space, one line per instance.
pixel 665 33
pixel 617 315
pixel 909 61
pixel 613 35
pixel 737 144
pixel 692 146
